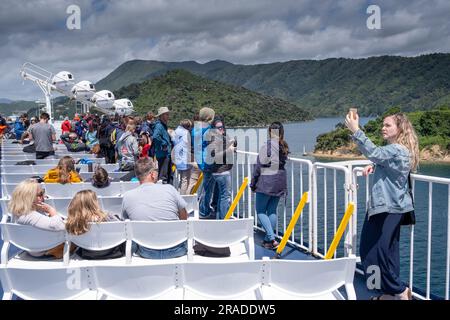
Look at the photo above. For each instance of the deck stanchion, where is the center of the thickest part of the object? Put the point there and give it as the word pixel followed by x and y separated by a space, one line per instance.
pixel 340 231
pixel 291 225
pixel 197 184
pixel 237 198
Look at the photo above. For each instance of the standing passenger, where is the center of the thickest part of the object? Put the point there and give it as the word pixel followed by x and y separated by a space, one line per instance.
pixel 390 199
pixel 269 181
pixel 163 146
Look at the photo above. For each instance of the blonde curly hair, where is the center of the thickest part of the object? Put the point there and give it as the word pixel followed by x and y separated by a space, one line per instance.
pixel 407 137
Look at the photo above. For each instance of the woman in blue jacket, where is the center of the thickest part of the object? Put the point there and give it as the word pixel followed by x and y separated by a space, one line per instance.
pixel 390 201
pixel 269 181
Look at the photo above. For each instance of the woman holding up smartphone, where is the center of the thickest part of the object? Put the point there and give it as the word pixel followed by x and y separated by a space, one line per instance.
pixel 390 201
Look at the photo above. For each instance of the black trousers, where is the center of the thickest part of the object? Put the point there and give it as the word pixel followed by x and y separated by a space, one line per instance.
pixel 165 169
pixel 44 154
pixel 379 247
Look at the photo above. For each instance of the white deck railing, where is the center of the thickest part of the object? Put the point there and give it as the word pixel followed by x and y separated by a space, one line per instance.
pixel 331 187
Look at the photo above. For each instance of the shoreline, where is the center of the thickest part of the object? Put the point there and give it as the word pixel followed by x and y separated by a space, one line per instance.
pixel 358 157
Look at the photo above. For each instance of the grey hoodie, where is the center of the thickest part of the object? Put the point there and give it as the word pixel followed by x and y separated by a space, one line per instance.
pixel 127 148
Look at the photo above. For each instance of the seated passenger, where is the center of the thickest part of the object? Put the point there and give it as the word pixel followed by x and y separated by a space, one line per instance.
pixel 84 209
pixel 154 202
pixel 27 207
pixel 63 173
pixel 73 143
pixel 100 178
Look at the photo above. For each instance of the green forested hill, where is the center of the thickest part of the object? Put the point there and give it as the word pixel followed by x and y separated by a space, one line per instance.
pixel 324 87
pixel 186 93
pixel 17 107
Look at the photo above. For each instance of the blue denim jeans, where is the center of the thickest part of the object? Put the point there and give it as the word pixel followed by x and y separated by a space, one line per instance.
pixel 266 209
pixel 174 252
pixel 206 194
pixel 223 185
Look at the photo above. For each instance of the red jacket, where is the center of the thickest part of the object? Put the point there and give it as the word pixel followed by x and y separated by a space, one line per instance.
pixel 65 126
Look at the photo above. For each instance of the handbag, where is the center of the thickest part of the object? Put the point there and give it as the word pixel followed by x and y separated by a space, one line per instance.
pixel 409 218
pixel 207 251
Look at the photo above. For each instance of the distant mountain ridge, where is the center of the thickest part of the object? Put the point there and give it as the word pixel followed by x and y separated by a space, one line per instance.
pixel 324 87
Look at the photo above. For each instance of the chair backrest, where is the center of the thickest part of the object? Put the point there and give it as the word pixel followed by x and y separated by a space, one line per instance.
pixel 299 279
pixel 137 282
pixel 28 238
pixel 8 189
pixel 112 205
pixel 58 190
pixel 191 203
pixel 113 190
pixel 45 283
pixel 159 234
pixel 101 236
pixel 222 280
pixel 60 204
pixel 17 169
pixel 113 175
pixel 222 233
pixel 309 278
pixel 15 177
pixel 51 162
pixel 128 185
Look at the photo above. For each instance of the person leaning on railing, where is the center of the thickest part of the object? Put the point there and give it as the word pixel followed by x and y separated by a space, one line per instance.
pixel 390 200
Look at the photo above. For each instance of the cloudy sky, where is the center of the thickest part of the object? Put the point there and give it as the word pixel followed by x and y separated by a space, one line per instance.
pixel 244 31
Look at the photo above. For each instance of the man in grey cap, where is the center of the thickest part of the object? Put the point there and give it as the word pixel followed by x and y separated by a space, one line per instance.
pixel 163 145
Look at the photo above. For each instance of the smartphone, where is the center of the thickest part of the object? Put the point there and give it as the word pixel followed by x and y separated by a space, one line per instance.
pixel 235 142
pixel 353 112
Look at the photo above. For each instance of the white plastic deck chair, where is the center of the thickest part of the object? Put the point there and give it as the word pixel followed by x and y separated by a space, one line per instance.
pixel 226 280
pixel 192 204
pixel 60 204
pixel 309 279
pixel 44 283
pixel 139 282
pixel 8 189
pixel 158 235
pixel 101 236
pixel 28 238
pixel 4 205
pixel 225 233
pixel 128 185
pixel 16 177
pixel 112 205
pixel 18 169
pixel 68 190
pixel 113 190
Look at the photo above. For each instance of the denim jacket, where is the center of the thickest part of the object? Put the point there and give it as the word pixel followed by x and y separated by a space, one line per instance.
pixel 390 190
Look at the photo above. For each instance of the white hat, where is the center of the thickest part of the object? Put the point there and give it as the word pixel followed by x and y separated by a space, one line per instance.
pixel 162 110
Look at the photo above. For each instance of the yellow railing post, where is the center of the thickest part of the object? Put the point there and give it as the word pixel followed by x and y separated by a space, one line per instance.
pixel 292 223
pixel 197 184
pixel 340 230
pixel 236 199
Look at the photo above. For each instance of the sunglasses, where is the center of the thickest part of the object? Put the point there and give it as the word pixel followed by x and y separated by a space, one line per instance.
pixel 220 128
pixel 41 193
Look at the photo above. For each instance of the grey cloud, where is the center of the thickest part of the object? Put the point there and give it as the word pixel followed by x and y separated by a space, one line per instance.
pixel 250 32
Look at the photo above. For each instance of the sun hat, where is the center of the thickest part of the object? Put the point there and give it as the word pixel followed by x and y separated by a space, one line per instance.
pixel 162 110
pixel 206 114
